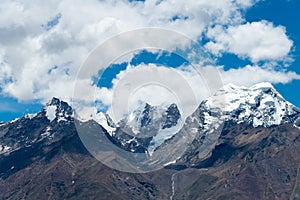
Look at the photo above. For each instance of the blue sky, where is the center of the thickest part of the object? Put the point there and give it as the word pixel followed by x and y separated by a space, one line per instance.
pixel 144 57
pixel 61 47
pixel 284 13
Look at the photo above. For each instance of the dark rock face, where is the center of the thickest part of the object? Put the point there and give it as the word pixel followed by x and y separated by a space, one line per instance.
pixel 172 116
pixel 129 142
pixel 146 117
pixel 30 138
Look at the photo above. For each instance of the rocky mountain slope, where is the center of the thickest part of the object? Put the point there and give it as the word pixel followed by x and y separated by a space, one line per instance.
pixel 246 147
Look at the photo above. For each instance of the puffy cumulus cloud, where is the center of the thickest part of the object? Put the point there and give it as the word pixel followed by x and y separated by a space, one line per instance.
pixel 250 75
pixel 43 44
pixel 156 85
pixel 246 3
pixel 186 86
pixel 258 41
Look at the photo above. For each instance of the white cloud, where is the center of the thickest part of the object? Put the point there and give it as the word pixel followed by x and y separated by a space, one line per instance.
pixel 39 63
pixel 258 41
pixel 246 3
pixel 30 50
pixel 250 75
pixel 186 86
pixel 148 83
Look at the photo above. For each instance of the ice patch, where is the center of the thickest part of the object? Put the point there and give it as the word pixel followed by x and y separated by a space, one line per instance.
pixel 14 120
pixel 296 126
pixel 4 149
pixel 131 140
pixel 257 122
pixel 169 163
pixel 51 112
pixel 163 135
pixel 47 133
pixel 30 115
pixel 60 119
pixel 101 119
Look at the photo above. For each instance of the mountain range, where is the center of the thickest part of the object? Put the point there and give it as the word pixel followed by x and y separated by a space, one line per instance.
pixel 240 143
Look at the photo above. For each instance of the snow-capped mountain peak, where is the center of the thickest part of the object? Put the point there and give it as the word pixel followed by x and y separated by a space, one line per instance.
pixel 57 109
pixel 259 105
pixel 151 119
pixel 146 128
